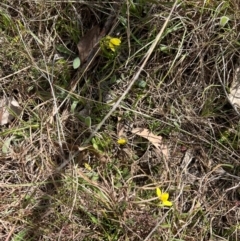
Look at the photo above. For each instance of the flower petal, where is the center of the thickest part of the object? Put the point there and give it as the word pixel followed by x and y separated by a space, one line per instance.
pixel 115 41
pixel 164 197
pixel 167 203
pixel 111 46
pixel 158 192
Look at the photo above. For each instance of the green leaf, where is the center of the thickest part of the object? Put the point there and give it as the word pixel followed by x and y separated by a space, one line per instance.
pixel 6 144
pixel 94 143
pixel 76 63
pixel 74 105
pixel 95 177
pixel 224 20
pixel 88 121
pixel 94 219
pixel 142 84
pixel 62 49
pixel 20 236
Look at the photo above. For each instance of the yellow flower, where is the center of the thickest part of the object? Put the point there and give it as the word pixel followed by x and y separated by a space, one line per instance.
pixel 113 43
pixel 87 166
pixel 163 197
pixel 122 141
pixel 109 43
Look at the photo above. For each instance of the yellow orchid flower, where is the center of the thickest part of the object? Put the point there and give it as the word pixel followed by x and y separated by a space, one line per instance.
pixel 163 197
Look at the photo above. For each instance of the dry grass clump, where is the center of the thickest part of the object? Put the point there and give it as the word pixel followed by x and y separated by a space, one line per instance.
pixel 106 190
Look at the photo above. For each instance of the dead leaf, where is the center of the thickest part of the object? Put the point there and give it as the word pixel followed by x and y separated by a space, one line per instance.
pixel 88 42
pixel 234 96
pixel 154 139
pixel 188 157
pixel 88 45
pixel 9 108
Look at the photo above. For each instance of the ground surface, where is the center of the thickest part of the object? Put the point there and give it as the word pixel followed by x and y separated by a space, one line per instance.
pixel 181 131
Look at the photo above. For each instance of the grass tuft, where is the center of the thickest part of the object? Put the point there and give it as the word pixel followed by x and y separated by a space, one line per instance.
pixel 58 185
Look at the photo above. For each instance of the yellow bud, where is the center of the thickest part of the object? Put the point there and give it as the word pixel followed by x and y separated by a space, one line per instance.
pixel 122 141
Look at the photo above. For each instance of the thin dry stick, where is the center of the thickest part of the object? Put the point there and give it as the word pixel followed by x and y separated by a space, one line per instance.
pixel 10 233
pixel 17 72
pixel 134 78
pixel 156 227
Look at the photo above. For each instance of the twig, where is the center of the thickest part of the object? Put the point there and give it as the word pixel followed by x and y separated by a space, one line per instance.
pixel 155 228
pixel 17 72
